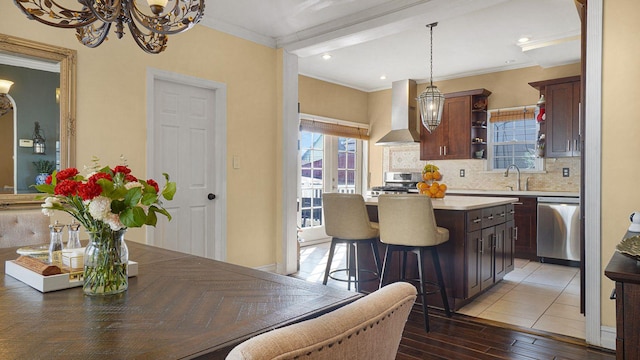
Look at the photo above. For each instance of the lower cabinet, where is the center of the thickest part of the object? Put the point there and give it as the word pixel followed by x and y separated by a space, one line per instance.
pixel 489 248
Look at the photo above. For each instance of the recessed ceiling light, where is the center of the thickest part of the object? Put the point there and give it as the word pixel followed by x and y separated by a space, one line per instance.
pixel 383 77
pixel 326 56
pixel 523 39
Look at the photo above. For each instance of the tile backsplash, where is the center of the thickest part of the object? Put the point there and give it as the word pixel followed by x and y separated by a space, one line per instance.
pixel 407 158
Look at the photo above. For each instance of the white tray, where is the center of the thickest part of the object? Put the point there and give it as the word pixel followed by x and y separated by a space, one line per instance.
pixel 53 282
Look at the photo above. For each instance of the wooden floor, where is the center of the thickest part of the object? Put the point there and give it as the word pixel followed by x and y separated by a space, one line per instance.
pixel 463 337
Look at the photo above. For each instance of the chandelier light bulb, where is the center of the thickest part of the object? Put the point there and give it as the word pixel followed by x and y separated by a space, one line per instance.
pixel 5 85
pixel 157 6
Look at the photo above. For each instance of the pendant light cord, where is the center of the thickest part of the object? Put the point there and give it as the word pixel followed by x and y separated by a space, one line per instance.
pixel 430 26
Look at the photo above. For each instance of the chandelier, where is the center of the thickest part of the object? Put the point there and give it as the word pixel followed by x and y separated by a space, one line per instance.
pixel 431 100
pixel 93 20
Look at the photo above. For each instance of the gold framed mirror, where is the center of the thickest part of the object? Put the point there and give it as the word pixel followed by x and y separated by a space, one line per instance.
pixel 65 97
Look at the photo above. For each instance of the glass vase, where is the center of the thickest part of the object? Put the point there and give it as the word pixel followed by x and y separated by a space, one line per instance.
pixel 105 263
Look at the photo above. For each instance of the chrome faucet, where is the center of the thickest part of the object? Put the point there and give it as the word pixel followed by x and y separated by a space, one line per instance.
pixel 506 174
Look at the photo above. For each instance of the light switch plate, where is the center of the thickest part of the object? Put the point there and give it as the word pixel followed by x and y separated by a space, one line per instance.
pixel 565 172
pixel 461 172
pixel 26 143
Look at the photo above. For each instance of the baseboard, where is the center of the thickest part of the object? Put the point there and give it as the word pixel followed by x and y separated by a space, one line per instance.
pixel 608 337
pixel 268 268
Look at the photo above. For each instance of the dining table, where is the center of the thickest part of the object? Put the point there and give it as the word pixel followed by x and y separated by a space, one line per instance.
pixel 179 306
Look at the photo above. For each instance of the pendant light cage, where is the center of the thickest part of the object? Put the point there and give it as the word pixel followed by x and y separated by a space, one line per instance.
pixel 431 100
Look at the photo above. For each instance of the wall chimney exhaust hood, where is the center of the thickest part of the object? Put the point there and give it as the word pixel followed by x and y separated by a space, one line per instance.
pixel 405 127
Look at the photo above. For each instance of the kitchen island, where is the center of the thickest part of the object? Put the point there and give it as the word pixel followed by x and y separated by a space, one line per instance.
pixel 479 251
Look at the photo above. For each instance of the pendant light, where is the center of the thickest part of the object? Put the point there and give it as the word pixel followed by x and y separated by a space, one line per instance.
pixel 431 100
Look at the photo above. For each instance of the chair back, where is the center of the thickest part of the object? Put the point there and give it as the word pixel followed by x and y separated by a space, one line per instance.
pixel 345 217
pixel 23 227
pixel 369 328
pixel 409 220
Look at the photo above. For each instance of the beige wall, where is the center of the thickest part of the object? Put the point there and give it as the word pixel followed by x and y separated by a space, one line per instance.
pixel 508 89
pixel 112 115
pixel 321 98
pixel 620 132
pixel 6 148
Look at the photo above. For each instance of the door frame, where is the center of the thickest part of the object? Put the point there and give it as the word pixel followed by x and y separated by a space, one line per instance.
pixel 220 157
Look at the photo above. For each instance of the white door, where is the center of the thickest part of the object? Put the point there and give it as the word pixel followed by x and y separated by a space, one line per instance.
pixel 184 147
pixel 327 164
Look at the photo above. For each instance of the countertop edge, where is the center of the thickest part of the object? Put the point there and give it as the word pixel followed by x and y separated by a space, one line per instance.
pixel 461 203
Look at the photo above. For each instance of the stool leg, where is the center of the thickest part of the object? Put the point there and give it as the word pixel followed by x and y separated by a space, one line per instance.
pixel 376 256
pixel 349 266
pixel 443 290
pixel 357 273
pixel 422 290
pixel 326 272
pixel 385 265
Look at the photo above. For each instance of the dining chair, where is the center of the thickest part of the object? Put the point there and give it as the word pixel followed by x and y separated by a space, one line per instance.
pixel 347 222
pixel 23 227
pixel 368 328
pixel 408 224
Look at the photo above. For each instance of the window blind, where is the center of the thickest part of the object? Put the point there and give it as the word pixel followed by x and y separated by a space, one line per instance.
pixel 512 114
pixel 327 128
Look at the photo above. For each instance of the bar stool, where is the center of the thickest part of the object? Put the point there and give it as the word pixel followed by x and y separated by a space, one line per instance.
pixel 347 222
pixel 407 224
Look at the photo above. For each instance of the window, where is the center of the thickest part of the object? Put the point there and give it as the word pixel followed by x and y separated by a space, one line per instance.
pixel 512 138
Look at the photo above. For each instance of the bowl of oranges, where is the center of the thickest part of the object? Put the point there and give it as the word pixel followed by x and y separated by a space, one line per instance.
pixel 430 184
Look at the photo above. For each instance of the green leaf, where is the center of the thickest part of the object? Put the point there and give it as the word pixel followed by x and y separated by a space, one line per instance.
pixel 133 196
pixel 152 219
pixel 161 211
pixel 149 198
pixel 118 206
pixel 133 217
pixel 169 190
pixel 45 188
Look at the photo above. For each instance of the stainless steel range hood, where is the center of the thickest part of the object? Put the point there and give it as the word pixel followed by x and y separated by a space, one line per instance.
pixel 405 127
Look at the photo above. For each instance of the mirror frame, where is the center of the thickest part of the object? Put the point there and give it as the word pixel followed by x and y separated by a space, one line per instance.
pixel 67 59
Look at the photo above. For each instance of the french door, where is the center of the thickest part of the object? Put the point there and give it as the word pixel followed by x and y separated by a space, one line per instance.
pixel 327 164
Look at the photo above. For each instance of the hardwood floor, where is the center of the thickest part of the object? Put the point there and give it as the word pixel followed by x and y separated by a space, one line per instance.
pixel 463 338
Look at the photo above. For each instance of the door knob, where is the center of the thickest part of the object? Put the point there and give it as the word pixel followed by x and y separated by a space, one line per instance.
pixel 211 196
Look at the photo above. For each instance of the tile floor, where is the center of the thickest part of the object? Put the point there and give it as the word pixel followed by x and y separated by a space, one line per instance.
pixel 534 295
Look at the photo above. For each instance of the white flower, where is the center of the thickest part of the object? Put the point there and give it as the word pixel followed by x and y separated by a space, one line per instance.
pixel 131 185
pixel 47 206
pixel 114 222
pixel 100 207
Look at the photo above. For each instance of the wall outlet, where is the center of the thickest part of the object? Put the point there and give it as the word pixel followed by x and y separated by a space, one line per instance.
pixel 461 172
pixel 565 172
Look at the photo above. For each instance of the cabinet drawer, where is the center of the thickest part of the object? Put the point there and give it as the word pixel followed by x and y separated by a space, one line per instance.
pixel 493 216
pixel 511 211
pixel 474 220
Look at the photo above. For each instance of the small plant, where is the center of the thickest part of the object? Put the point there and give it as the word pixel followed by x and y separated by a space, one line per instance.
pixel 44 166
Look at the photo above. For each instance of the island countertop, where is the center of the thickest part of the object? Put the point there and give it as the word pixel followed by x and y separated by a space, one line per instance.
pixel 452 202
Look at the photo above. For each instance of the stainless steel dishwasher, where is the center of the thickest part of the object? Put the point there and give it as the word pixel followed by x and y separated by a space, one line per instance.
pixel 559 228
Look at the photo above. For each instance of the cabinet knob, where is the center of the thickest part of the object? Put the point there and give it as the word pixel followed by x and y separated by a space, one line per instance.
pixel 211 196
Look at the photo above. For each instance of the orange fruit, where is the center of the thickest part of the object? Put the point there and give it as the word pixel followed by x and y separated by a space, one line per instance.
pixel 443 187
pixel 422 185
pixel 440 194
pixel 427 176
pixel 437 175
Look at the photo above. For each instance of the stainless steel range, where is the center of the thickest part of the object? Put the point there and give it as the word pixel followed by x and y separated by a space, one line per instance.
pixel 397 183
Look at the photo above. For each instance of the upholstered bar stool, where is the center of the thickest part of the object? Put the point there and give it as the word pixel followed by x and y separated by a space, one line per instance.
pixel 347 222
pixel 407 224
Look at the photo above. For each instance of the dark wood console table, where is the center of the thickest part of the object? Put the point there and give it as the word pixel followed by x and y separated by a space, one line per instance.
pixel 179 306
pixel 625 271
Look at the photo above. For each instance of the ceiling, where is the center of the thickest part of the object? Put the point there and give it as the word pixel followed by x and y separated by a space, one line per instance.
pixel 371 38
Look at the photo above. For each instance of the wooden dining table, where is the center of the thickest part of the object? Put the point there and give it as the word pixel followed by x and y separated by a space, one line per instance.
pixel 179 306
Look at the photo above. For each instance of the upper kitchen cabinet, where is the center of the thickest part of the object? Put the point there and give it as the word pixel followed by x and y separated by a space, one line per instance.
pixel 562 124
pixel 463 131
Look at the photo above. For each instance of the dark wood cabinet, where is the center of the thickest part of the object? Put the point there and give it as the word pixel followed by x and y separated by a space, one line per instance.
pixel 463 121
pixel 562 124
pixel 626 273
pixel 525 232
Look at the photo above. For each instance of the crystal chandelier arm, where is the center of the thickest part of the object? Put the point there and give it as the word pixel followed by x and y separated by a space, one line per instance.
pixel 150 42
pixel 182 16
pixel 49 12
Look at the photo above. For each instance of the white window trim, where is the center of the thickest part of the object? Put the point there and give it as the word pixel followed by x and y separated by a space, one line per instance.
pixel 540 164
